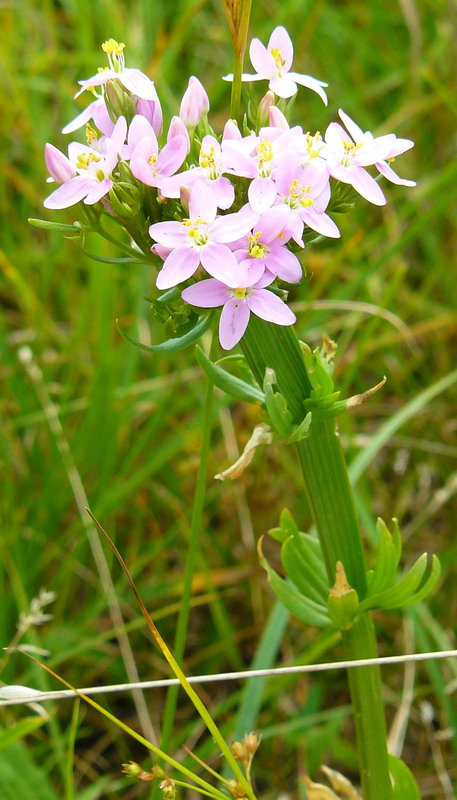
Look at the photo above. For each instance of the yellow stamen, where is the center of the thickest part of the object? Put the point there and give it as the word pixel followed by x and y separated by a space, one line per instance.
pixel 84 160
pixel 111 47
pixel 91 134
pixel 239 293
pixel 279 61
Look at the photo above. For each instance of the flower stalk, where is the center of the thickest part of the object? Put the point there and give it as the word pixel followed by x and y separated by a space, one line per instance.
pixel 332 508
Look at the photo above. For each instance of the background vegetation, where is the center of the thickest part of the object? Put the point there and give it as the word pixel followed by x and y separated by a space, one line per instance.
pixel 130 423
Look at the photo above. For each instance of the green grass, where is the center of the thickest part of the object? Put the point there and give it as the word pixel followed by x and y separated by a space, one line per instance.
pixel 131 421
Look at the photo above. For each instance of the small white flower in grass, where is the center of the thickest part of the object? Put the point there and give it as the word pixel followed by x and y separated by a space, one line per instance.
pixel 273 63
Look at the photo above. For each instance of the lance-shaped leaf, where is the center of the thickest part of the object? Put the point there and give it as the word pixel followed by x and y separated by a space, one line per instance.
pixel 280 416
pixel 301 607
pixel 230 384
pixel 411 588
pixel 287 527
pixel 387 558
pixel 301 557
pixel 177 343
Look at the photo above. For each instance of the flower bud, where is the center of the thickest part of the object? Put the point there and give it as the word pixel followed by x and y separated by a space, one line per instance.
pixel 343 601
pixel 152 110
pixel 238 751
pixel 177 128
pixel 265 104
pixel 277 118
pixel 251 742
pixel 194 103
pixel 231 131
pixel 168 788
pixel 59 166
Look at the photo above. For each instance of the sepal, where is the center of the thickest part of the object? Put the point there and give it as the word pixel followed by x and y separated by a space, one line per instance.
pixel 279 414
pixel 230 384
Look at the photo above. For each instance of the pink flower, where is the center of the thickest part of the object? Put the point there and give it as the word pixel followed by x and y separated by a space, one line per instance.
pixel 306 193
pixel 399 146
pixel 346 157
pixel 238 303
pixel 194 103
pixel 59 166
pixel 149 165
pixel 273 63
pixel 92 170
pixel 201 239
pixel 265 249
pixel 211 166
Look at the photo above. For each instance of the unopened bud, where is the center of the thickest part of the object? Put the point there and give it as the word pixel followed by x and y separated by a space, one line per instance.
pixel 343 601
pixel 277 118
pixel 264 106
pixel 59 166
pixel 194 103
pixel 133 770
pixel 152 110
pixel 231 131
pixel 177 128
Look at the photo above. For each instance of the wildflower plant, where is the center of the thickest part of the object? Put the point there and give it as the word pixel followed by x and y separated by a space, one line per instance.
pixel 224 217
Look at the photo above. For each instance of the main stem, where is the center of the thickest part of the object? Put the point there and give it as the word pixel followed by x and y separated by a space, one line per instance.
pixel 332 507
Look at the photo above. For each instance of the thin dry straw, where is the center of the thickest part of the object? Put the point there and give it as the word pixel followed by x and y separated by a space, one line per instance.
pixel 40 697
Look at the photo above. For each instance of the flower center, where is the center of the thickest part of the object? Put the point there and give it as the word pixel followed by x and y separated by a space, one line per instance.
pixel 350 149
pixel 91 134
pixel 207 161
pixel 239 293
pixel 278 59
pixel 314 144
pixel 299 195
pixel 151 161
pixel 195 233
pixel 84 160
pixel 256 248
pixel 265 156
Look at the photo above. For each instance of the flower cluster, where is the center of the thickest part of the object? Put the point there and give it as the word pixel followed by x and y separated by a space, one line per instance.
pixel 225 214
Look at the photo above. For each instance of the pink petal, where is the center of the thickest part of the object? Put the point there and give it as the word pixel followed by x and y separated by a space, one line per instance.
pixel 281 262
pixel 377 150
pixel 262 61
pixel 250 271
pixel 270 307
pixel 138 83
pixel 271 222
pixel 82 118
pixel 220 262
pixel 69 193
pixel 206 294
pixel 178 267
pixel 231 227
pixel 96 80
pixel 151 109
pixel 392 176
pixel 223 191
pixel 140 128
pixel 356 132
pixel 400 146
pixel 262 194
pixel 281 40
pixel 169 234
pixel 201 203
pixel 97 191
pixel 366 186
pixel 321 223
pixel 233 323
pixel 58 165
pixel 172 156
pixel 283 87
pixel 102 119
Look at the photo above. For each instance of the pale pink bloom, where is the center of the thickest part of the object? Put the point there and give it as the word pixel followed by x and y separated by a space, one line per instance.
pixel 201 239
pixel 238 303
pixel 135 81
pixel 92 168
pixel 177 128
pixel 98 113
pixel 194 103
pixel 399 146
pixel 306 192
pixel 149 165
pixel 212 165
pixel 346 157
pixel 273 63
pixel 59 166
pixel 265 249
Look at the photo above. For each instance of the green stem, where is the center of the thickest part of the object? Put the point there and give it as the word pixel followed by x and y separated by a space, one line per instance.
pixel 331 503
pixel 240 28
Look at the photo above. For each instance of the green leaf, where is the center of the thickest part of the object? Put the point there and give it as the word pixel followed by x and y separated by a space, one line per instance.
pixel 401 592
pixel 302 430
pixel 428 585
pixel 387 557
pixel 301 607
pixel 176 344
pixel 302 560
pixel 280 417
pixel 230 384
pixel 55 226
pixel 404 783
